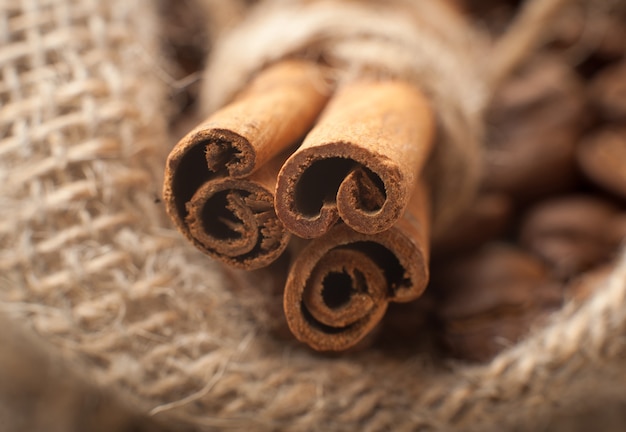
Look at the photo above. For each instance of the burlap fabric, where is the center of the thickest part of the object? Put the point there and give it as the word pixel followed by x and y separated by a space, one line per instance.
pixel 89 262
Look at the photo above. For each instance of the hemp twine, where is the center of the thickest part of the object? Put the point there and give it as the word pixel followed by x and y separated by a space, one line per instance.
pixel 89 262
pixel 220 15
pixel 522 37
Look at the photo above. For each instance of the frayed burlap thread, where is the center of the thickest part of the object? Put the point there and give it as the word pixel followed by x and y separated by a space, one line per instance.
pixel 424 42
pixel 89 262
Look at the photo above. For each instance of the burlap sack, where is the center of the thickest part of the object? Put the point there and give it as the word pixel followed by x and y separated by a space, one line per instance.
pixel 90 263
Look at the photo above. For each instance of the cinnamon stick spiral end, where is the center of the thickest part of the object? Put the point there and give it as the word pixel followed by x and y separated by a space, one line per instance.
pixel 318 186
pixel 203 154
pixel 340 285
pixel 341 300
pixel 277 107
pixel 360 162
pixel 234 221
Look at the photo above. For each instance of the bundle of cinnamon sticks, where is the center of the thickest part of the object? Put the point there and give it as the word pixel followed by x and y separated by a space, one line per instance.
pixel 296 155
pixel 333 172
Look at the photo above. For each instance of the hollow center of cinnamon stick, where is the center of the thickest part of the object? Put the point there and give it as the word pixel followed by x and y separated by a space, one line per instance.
pixel 369 191
pixel 394 272
pixel 190 174
pixel 345 291
pixel 337 289
pixel 212 154
pixel 222 156
pixel 220 219
pixel 319 184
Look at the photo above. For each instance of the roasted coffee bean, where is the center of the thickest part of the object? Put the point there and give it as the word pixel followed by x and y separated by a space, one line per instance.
pixel 602 158
pixel 495 276
pixel 487 217
pixel 607 93
pixel 489 300
pixel 590 30
pixel 534 124
pixel 615 232
pixel 569 233
pixel 482 340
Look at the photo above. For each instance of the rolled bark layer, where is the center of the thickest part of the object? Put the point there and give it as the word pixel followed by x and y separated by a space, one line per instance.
pixel 340 285
pixel 360 162
pixel 233 220
pixel 207 189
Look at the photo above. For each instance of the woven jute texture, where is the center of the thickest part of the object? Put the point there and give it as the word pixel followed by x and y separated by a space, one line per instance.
pixel 89 262
pixel 42 392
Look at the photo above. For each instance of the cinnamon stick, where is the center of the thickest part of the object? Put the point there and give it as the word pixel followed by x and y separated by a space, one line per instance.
pixel 359 163
pixel 339 286
pixel 206 191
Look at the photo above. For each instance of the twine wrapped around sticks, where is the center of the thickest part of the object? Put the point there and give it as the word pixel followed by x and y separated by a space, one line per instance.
pixel 89 262
pixel 425 43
